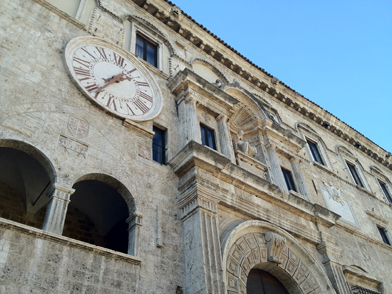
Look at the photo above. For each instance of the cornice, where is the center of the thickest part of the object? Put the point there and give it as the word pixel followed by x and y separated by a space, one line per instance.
pixel 206 41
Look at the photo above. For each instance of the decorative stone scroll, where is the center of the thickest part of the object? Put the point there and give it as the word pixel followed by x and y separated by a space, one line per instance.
pixel 253 249
pixel 241 145
pixel 275 246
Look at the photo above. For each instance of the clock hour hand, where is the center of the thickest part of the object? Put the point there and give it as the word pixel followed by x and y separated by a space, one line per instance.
pixel 115 79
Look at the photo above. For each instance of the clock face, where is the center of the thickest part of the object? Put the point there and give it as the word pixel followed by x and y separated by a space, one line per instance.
pixel 117 84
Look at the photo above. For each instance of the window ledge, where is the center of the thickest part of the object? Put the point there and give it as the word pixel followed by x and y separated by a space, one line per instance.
pixel 8 224
pixel 364 190
pixel 153 68
pixel 322 166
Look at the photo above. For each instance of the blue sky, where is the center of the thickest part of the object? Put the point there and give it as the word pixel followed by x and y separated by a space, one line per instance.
pixel 337 53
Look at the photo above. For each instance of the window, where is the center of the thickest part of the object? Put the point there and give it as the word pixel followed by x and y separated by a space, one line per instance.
pixel 385 191
pixel 158 146
pixel 354 174
pixel 384 236
pixel 315 152
pixel 207 137
pixel 288 177
pixel 146 50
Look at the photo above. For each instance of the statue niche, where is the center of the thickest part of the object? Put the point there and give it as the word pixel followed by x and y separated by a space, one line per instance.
pixel 245 156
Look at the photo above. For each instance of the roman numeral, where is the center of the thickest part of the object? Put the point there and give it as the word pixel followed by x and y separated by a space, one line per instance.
pixel 130 109
pixel 102 52
pixel 131 71
pixel 142 84
pixel 118 60
pixel 92 88
pixel 81 61
pixel 146 96
pixel 89 53
pixel 139 104
pixel 111 101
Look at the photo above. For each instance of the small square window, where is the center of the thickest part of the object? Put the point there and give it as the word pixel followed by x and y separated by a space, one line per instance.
pixel 355 175
pixel 288 177
pixel 315 152
pixel 385 191
pixel 158 146
pixel 384 235
pixel 146 50
pixel 207 137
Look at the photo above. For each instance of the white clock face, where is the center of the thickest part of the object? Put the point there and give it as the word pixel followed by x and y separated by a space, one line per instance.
pixel 114 82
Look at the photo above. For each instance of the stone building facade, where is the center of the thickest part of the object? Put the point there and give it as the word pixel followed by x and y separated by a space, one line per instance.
pixel 210 172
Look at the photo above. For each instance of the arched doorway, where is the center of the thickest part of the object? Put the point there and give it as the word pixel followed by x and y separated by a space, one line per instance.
pixel 26 175
pixel 97 213
pixel 262 282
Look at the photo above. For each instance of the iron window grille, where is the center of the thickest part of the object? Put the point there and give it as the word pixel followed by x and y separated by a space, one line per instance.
pixel 288 177
pixel 207 137
pixel 159 146
pixel 146 50
pixel 360 290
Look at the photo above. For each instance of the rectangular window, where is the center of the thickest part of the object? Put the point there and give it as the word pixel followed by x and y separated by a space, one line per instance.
pixel 385 190
pixel 158 145
pixel 146 50
pixel 207 137
pixel 355 174
pixel 315 152
pixel 384 236
pixel 288 177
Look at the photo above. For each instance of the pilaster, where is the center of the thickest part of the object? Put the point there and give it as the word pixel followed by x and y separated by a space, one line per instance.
pixel 192 128
pixel 275 167
pixel 57 208
pixel 303 187
pixel 333 268
pixel 225 138
pixel 202 252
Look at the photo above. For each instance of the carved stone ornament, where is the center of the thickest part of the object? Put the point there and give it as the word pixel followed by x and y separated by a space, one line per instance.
pixel 275 245
pixel 77 127
pixel 241 145
pixel 73 147
pixel 334 193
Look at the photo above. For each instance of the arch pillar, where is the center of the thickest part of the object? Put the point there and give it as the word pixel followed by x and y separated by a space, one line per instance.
pixel 56 211
pixel 135 224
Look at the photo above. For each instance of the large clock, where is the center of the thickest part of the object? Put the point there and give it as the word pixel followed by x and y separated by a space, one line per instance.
pixel 113 78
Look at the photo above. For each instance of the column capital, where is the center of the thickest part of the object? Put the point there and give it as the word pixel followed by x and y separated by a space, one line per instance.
pixel 223 117
pixel 295 159
pixel 329 252
pixel 60 191
pixel 134 220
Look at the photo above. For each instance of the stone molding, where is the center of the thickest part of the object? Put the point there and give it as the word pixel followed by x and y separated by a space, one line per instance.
pixel 138 128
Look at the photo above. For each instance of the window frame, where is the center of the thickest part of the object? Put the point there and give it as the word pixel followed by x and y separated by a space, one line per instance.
pixel 385 236
pixel 385 190
pixel 288 176
pixel 147 42
pixel 358 169
pixel 163 132
pixel 355 174
pixel 213 132
pixel 317 150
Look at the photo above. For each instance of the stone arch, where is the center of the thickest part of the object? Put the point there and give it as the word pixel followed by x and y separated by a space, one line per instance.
pixel 258 244
pixel 211 73
pixel 26 176
pixel 106 208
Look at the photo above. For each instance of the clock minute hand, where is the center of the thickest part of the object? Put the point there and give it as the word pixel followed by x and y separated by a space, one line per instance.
pixel 116 79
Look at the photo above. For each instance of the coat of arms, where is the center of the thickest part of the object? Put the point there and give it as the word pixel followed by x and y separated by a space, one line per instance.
pixel 77 127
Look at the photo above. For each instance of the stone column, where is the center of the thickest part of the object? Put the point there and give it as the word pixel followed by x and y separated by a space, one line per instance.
pixel 192 127
pixel 135 223
pixel 333 268
pixel 302 186
pixel 225 138
pixel 57 208
pixel 202 252
pixel 275 167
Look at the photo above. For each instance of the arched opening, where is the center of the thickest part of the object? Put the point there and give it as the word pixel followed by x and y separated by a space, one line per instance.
pixel 26 175
pixel 97 213
pixel 262 282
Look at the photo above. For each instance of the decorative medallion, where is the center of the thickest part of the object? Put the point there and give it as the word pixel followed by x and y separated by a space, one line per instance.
pixel 113 78
pixel 77 127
